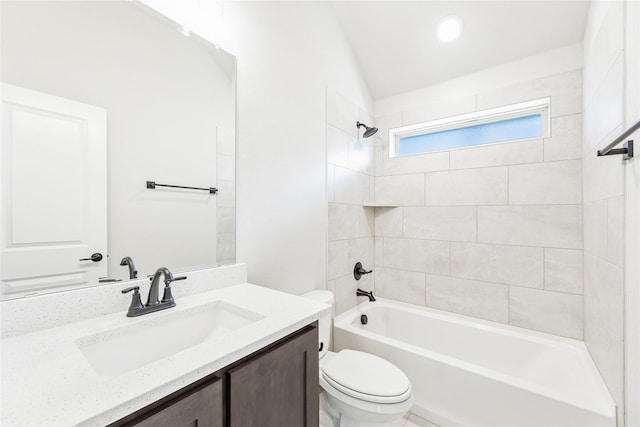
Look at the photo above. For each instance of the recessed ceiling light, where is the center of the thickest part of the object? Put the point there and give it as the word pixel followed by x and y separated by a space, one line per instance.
pixel 449 29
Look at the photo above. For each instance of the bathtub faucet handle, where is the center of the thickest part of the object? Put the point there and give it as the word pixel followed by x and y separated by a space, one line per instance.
pixel 362 293
pixel 358 271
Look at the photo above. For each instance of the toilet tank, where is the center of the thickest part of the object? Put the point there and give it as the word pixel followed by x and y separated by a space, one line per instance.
pixel 324 323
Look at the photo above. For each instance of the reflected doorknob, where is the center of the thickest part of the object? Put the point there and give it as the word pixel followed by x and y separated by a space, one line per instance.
pixel 96 257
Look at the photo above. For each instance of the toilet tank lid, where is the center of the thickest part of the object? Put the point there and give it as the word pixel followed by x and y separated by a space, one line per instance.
pixel 325 297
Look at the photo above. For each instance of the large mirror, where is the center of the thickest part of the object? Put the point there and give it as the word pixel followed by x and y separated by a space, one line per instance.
pixel 100 97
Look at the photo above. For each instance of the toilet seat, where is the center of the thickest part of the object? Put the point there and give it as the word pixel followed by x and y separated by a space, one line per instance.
pixel 366 377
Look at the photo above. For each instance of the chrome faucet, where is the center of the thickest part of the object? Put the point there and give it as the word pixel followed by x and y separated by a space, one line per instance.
pixel 133 271
pixel 153 302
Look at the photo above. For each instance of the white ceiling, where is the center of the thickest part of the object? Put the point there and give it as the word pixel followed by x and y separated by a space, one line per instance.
pixel 395 45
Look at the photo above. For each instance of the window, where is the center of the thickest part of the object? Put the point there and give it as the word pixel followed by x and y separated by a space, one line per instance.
pixel 514 122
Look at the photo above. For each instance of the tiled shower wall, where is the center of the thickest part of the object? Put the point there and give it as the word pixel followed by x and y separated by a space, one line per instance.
pixel 349 184
pixel 493 232
pixel 604 188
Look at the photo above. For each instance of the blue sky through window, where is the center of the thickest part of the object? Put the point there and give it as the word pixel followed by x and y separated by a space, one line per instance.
pixel 486 133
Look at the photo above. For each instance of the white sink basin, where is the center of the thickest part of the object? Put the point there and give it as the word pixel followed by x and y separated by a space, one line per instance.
pixel 123 349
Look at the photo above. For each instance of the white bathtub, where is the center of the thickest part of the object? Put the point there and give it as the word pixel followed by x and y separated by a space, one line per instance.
pixel 469 372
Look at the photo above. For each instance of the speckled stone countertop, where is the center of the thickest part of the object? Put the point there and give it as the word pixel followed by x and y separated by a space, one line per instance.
pixel 47 381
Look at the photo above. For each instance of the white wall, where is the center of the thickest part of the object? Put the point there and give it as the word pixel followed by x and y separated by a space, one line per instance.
pixel 288 53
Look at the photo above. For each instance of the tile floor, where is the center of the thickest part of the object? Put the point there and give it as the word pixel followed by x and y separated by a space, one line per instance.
pixel 412 420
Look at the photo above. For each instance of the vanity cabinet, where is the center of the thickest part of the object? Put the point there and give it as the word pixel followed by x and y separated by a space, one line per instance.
pixel 276 386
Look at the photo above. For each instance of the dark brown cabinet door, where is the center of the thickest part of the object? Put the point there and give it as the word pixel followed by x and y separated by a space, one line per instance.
pixel 278 388
pixel 201 408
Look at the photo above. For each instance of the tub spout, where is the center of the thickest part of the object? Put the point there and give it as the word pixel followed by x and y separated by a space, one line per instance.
pixel 362 293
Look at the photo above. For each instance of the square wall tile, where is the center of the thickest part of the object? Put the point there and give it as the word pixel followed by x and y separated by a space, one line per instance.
pixel 456 223
pixel 537 225
pixel 388 222
pixel 615 231
pixel 400 285
pixel 604 296
pixel 553 312
pixel 604 321
pixel 469 297
pixel 551 183
pixel 426 256
pixel 501 154
pixel 603 178
pixel 565 142
pixel 338 144
pixel 608 103
pixel 345 293
pixel 379 152
pixel 487 186
pixel 510 265
pixel 350 186
pixel 416 163
pixel 403 190
pixel 361 156
pixel 344 221
pixel 361 250
pixel 338 258
pixel 366 221
pixel 379 251
pixel 595 228
pixel 563 270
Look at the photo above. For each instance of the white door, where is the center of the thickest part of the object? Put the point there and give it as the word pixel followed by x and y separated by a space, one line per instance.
pixel 53 192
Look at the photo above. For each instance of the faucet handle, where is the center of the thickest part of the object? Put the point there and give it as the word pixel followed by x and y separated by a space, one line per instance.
pixel 136 302
pixel 359 271
pixel 167 296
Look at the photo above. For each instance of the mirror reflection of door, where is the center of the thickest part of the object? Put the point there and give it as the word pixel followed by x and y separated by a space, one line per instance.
pixel 54 192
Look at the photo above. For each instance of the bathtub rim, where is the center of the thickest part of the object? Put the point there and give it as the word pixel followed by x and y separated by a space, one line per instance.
pixel 606 407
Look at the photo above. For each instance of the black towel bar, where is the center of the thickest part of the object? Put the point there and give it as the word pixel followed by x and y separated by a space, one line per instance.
pixel 153 184
pixel 627 148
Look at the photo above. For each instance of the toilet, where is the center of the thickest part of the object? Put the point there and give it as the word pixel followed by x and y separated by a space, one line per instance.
pixel 358 389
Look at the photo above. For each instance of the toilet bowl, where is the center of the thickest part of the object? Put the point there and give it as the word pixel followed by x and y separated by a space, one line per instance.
pixel 361 389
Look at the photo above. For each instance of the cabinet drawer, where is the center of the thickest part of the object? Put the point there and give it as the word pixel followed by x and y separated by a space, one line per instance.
pixel 202 408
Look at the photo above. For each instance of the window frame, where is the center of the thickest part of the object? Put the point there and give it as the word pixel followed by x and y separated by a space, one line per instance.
pixel 523 109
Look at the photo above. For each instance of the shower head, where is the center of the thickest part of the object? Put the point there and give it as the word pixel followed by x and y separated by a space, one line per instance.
pixel 369 130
